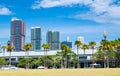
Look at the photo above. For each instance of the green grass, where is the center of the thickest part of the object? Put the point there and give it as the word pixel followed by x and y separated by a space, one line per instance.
pixel 62 72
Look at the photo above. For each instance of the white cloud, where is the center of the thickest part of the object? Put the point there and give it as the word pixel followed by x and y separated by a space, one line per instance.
pixel 4 10
pixel 54 3
pixel 102 11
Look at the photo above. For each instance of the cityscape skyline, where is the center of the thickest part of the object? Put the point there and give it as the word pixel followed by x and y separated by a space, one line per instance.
pixel 71 18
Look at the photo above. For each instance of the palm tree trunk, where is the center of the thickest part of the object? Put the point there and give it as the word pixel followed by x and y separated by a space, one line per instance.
pixel 61 62
pixel 107 62
pixel 10 59
pixel 45 58
pixel 73 65
pixel 84 51
pixel 92 58
pixel 28 59
pixel 104 62
pixel 78 58
pixel 84 60
pixel 66 62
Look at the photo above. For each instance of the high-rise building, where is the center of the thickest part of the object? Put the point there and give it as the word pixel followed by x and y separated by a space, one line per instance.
pixel 36 38
pixel 67 42
pixel 53 39
pixel 18 31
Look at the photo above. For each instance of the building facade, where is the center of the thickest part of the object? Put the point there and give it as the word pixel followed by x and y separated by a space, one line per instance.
pixel 67 42
pixel 53 39
pixel 36 38
pixel 18 31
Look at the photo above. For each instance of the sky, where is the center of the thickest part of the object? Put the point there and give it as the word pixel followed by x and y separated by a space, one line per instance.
pixel 73 18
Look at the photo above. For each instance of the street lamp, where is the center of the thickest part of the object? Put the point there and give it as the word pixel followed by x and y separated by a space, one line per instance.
pixel 105 35
pixel 10 47
pixel 106 52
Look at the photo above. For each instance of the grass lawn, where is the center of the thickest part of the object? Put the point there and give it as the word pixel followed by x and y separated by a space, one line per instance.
pixel 62 72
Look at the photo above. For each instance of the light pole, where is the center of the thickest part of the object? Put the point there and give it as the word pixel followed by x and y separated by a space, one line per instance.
pixel 105 36
pixel 10 47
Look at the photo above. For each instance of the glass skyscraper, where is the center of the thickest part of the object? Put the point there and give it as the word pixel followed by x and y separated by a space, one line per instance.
pixel 53 39
pixel 18 33
pixel 36 38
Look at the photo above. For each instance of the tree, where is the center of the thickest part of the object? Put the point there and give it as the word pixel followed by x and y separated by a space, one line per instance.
pixel 3 47
pixel 85 47
pixel 116 45
pixel 49 59
pixel 98 55
pixel 61 55
pixel 72 59
pixel 46 47
pixel 10 49
pixel 27 48
pixel 56 61
pixel 66 49
pixel 66 57
pixel 22 63
pixel 2 61
pixel 78 44
pixel 118 51
pixel 92 45
pixel 117 56
pixel 107 48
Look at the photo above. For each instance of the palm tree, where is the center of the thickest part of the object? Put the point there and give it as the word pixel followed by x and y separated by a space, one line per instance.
pixel 106 47
pixel 103 48
pixel 10 49
pixel 78 44
pixel 27 48
pixel 65 50
pixel 3 47
pixel 84 47
pixel 46 47
pixel 92 44
pixel 117 44
pixel 60 55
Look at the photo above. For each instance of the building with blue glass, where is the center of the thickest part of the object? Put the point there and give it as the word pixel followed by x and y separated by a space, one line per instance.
pixel 36 38
pixel 18 33
pixel 67 42
pixel 53 39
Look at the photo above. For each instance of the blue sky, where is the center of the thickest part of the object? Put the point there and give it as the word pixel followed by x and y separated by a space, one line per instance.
pixel 73 18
